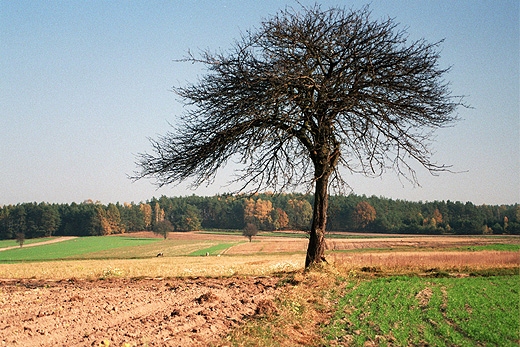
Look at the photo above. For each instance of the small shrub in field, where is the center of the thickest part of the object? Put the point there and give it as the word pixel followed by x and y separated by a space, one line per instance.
pixel 250 230
pixel 163 228
pixel 20 238
pixel 111 272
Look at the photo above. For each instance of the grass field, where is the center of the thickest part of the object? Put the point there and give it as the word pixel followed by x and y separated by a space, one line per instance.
pixel 417 311
pixel 72 249
pixel 449 296
pixel 334 309
pixel 494 247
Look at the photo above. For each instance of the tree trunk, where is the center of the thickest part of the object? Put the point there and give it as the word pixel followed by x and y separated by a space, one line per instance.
pixel 316 248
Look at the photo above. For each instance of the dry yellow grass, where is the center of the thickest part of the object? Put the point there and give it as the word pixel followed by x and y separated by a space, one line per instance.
pixel 298 314
pixel 155 267
pixel 424 260
pixel 253 265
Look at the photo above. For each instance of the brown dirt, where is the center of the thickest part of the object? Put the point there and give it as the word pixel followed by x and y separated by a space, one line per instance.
pixel 282 244
pixel 143 312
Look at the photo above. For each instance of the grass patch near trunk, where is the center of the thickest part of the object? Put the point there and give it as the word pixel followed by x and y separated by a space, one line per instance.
pixel 328 308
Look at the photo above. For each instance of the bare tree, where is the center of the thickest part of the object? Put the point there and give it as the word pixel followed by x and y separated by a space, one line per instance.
pixel 307 93
pixel 163 228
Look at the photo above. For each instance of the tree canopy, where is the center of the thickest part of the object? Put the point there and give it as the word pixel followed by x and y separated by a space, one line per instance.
pixel 233 212
pixel 309 92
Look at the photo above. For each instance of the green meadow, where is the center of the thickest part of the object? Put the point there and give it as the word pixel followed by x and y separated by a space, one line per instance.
pixel 70 249
pixel 493 247
pixel 213 250
pixel 113 247
pixel 332 309
pixel 414 311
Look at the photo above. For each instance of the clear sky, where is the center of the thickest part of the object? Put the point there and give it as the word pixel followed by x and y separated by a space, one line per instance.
pixel 83 84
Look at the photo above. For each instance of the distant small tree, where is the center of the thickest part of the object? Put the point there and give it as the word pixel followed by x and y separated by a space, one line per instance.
pixel 163 228
pixel 250 230
pixel 20 238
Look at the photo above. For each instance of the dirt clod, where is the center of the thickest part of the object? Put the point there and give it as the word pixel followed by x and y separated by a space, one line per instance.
pixel 265 308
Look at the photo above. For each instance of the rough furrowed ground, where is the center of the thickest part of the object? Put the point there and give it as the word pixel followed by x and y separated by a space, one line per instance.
pixel 143 312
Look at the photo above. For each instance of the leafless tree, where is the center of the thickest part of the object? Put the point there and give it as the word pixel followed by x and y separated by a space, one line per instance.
pixel 309 92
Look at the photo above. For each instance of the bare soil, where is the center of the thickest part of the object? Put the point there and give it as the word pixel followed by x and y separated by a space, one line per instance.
pixel 138 312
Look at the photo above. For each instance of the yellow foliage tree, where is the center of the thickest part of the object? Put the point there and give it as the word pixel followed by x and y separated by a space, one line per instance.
pixel 364 214
pixel 146 209
pixel 258 213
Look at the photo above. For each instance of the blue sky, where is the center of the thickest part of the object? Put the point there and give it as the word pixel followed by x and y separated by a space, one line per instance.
pixel 83 84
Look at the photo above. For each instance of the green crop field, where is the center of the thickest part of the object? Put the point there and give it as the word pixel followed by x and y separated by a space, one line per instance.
pixel 407 311
pixel 71 248
pixel 213 250
pixel 492 247
pixel 114 247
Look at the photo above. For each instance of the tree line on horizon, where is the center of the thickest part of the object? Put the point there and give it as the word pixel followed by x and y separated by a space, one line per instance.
pixel 265 211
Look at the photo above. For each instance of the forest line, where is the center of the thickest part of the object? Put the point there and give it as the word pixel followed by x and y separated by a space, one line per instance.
pixel 266 211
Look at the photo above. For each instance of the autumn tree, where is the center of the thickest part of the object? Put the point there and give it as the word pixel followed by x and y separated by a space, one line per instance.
pixel 157 214
pixel 146 210
pixel 280 218
pixel 437 216
pixel 113 218
pixel 259 213
pixel 308 95
pixel 364 214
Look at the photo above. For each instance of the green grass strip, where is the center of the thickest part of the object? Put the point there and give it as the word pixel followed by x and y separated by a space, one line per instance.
pixel 213 250
pixel 406 311
pixel 511 247
pixel 70 249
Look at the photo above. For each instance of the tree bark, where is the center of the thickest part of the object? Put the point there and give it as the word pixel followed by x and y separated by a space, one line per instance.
pixel 316 247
